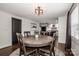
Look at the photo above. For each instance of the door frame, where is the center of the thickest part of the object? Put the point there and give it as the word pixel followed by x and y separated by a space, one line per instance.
pixel 13 18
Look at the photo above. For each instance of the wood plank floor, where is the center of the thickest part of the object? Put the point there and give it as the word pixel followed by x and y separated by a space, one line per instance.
pixel 8 50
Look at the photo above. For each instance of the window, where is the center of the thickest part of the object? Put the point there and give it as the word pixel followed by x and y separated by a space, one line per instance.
pixel 75 24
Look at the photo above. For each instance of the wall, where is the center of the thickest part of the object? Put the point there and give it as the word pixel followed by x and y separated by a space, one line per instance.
pixel 62 29
pixel 5 28
pixel 50 21
pixel 26 26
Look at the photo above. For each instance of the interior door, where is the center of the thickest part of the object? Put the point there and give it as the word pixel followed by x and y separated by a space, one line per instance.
pixel 16 27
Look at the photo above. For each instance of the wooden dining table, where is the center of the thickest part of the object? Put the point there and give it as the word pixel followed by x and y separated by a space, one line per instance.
pixel 41 41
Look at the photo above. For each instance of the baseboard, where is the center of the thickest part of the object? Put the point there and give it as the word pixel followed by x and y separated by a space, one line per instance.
pixel 4 46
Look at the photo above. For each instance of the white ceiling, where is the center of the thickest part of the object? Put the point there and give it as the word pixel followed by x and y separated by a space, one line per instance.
pixel 51 10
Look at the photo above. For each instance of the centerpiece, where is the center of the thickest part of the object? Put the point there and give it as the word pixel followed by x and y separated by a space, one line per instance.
pixel 36 35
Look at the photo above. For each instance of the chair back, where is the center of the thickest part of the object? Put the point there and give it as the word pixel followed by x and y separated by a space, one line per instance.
pixel 20 41
pixel 52 45
pixel 27 33
pixel 54 37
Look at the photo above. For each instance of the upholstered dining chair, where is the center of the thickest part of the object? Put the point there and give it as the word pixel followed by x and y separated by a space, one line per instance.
pixel 22 46
pixel 50 48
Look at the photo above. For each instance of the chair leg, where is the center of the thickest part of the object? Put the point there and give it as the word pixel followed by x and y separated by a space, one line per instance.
pixel 53 52
pixel 50 53
pixel 24 48
pixel 37 52
pixel 20 52
pixel 50 50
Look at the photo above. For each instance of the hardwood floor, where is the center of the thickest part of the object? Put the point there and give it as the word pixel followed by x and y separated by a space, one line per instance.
pixel 67 52
pixel 8 50
pixel 61 46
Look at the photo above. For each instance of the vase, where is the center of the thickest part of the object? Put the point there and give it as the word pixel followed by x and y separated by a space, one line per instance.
pixel 36 37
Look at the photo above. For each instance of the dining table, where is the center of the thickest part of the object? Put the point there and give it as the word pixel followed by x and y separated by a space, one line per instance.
pixel 38 42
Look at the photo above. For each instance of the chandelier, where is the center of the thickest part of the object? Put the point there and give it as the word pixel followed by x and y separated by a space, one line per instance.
pixel 39 11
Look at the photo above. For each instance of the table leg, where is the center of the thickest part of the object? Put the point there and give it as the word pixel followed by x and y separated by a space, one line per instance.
pixel 37 52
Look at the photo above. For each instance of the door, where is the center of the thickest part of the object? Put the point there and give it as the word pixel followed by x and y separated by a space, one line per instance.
pixel 16 27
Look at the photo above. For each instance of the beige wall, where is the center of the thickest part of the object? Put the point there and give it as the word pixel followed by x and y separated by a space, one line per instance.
pixel 62 22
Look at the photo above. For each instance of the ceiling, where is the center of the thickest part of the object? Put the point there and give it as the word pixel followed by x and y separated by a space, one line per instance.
pixel 51 10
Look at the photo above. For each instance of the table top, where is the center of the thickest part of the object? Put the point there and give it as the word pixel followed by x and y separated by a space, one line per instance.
pixel 40 42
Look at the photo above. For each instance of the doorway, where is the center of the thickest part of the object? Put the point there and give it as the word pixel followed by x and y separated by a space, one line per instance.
pixel 16 27
pixel 43 28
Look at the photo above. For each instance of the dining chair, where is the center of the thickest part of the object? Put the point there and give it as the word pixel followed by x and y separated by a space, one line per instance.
pixel 50 48
pixel 27 33
pixel 22 46
pixel 19 36
pixel 44 33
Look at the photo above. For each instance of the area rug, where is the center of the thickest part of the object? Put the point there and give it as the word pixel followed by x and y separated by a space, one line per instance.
pixel 57 53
